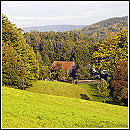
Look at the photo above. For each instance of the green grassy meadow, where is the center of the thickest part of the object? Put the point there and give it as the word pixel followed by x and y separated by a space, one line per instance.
pixel 58 89
pixel 25 109
pixel 91 88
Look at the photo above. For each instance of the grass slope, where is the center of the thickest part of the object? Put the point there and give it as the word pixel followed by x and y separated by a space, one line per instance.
pixel 23 109
pixel 91 88
pixel 58 89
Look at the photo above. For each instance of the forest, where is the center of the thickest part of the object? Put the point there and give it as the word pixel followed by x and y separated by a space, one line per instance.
pixel 27 56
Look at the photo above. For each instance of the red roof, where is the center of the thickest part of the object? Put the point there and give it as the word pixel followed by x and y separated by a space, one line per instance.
pixel 65 64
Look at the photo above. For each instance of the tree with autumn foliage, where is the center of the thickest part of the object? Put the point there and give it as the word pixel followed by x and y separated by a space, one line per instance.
pixel 109 56
pixel 19 65
pixel 103 89
pixel 112 50
pixel 82 72
pixel 119 82
pixel 11 68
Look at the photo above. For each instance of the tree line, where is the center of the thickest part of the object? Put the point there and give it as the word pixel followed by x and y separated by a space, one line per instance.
pixel 62 46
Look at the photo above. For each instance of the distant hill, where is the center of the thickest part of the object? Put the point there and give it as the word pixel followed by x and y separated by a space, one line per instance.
pixel 55 28
pixel 100 29
pixel 97 30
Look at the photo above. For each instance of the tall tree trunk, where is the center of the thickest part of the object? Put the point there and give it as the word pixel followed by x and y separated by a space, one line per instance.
pixel 104 99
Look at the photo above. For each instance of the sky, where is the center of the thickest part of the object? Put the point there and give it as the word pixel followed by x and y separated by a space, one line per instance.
pixel 43 13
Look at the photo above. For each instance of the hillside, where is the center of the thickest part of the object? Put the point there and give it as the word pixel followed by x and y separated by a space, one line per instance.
pixel 100 29
pixel 55 28
pixel 91 88
pixel 58 89
pixel 23 109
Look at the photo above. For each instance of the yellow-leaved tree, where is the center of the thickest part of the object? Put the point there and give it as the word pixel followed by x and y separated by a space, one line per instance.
pixel 19 65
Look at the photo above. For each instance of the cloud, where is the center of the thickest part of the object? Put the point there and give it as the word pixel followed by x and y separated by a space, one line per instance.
pixel 23 22
pixel 34 18
pixel 13 4
pixel 60 12
pixel 83 15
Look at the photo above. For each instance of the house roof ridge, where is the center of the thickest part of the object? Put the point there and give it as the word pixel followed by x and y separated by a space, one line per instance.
pixel 65 64
pixel 65 61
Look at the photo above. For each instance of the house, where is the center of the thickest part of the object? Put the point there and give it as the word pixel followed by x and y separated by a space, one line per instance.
pixel 69 67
